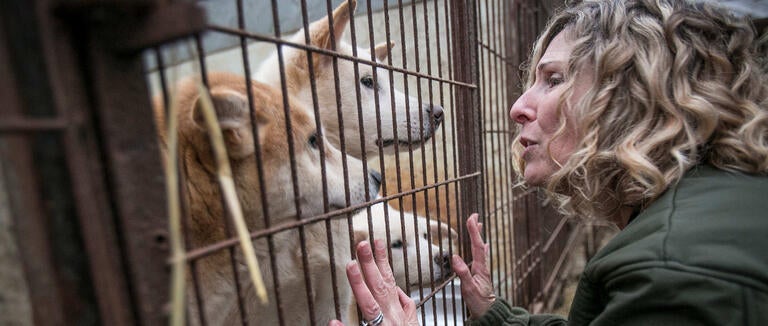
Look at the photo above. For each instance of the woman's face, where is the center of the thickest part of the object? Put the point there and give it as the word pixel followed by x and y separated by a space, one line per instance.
pixel 536 112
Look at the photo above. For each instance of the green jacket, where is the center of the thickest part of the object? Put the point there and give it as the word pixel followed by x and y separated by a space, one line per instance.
pixel 697 256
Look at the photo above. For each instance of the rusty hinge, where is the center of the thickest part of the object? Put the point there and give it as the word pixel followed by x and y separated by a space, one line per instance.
pixel 125 25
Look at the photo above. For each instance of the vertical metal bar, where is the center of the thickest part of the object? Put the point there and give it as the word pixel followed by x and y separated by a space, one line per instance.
pixel 342 138
pixel 464 13
pixel 447 213
pixel 119 92
pixel 289 131
pixel 225 209
pixel 393 109
pixel 420 102
pixel 454 147
pixel 500 118
pixel 182 189
pixel 434 165
pixel 257 150
pixel 410 150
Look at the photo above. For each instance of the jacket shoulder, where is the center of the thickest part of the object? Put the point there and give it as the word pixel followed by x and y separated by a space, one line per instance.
pixel 712 222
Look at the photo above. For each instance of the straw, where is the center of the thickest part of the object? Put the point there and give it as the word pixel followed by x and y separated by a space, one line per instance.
pixel 224 173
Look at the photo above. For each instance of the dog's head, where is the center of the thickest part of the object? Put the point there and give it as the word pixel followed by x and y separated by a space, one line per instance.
pixel 229 96
pixel 419 246
pixel 403 120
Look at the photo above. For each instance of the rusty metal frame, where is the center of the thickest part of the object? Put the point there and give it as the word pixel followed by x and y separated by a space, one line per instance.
pixel 95 105
pixel 101 117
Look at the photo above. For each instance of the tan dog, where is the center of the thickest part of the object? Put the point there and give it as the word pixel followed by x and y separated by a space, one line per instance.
pixel 207 217
pixel 407 109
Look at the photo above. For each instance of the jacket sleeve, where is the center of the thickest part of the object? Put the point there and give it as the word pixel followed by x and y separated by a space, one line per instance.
pixel 501 314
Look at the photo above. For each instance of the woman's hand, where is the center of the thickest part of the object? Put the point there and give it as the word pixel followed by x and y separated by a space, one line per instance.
pixel 476 284
pixel 375 289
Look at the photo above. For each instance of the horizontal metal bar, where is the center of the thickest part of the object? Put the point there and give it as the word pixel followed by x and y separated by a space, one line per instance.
pixel 529 270
pixel 276 40
pixel 526 192
pixel 555 233
pixel 496 54
pixel 563 255
pixel 437 289
pixel 26 125
pixel 207 250
pixel 527 253
pixel 498 132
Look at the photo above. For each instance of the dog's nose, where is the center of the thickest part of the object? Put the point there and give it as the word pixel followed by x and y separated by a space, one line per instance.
pixel 436 112
pixel 444 261
pixel 375 181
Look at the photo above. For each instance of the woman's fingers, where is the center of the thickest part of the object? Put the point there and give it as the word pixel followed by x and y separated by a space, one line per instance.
pixel 461 269
pixel 382 290
pixel 406 302
pixel 382 261
pixel 369 308
pixel 335 323
pixel 476 240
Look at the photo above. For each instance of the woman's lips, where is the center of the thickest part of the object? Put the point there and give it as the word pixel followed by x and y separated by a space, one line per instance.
pixel 528 149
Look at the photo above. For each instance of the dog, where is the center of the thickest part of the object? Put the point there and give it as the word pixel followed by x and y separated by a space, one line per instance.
pixel 207 217
pixel 411 130
pixel 425 242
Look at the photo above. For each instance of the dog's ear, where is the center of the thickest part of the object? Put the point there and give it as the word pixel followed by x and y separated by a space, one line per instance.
pixel 446 233
pixel 320 31
pixel 232 111
pixel 382 50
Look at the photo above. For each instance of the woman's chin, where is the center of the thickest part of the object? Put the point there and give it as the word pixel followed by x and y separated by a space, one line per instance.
pixel 534 177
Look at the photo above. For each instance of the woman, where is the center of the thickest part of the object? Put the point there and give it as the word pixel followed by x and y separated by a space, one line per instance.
pixel 652 114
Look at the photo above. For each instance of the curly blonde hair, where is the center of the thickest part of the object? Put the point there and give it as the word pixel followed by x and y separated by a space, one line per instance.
pixel 676 84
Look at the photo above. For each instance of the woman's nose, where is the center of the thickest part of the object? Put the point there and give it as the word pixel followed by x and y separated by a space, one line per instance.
pixel 522 110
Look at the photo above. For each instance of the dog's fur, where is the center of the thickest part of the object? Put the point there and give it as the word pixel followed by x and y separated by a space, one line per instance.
pixel 297 79
pixel 207 216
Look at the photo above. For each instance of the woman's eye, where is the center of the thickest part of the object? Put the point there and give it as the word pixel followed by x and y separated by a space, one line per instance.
pixel 313 141
pixel 396 244
pixel 553 81
pixel 367 81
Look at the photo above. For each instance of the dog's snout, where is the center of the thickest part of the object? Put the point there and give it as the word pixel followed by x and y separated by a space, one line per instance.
pixel 444 261
pixel 436 112
pixel 375 181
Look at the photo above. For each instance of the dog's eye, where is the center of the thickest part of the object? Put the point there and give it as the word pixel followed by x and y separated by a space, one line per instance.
pixel 367 81
pixel 313 140
pixel 424 235
pixel 397 244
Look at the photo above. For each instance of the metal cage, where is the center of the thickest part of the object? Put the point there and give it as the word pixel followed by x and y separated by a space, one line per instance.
pixel 84 171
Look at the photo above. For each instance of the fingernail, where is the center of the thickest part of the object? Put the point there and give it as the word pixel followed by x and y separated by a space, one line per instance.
pixel 362 243
pixel 456 259
pixel 352 268
pixel 364 250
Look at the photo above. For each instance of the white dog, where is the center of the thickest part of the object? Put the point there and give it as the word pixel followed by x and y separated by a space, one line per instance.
pixel 419 245
pixel 407 109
